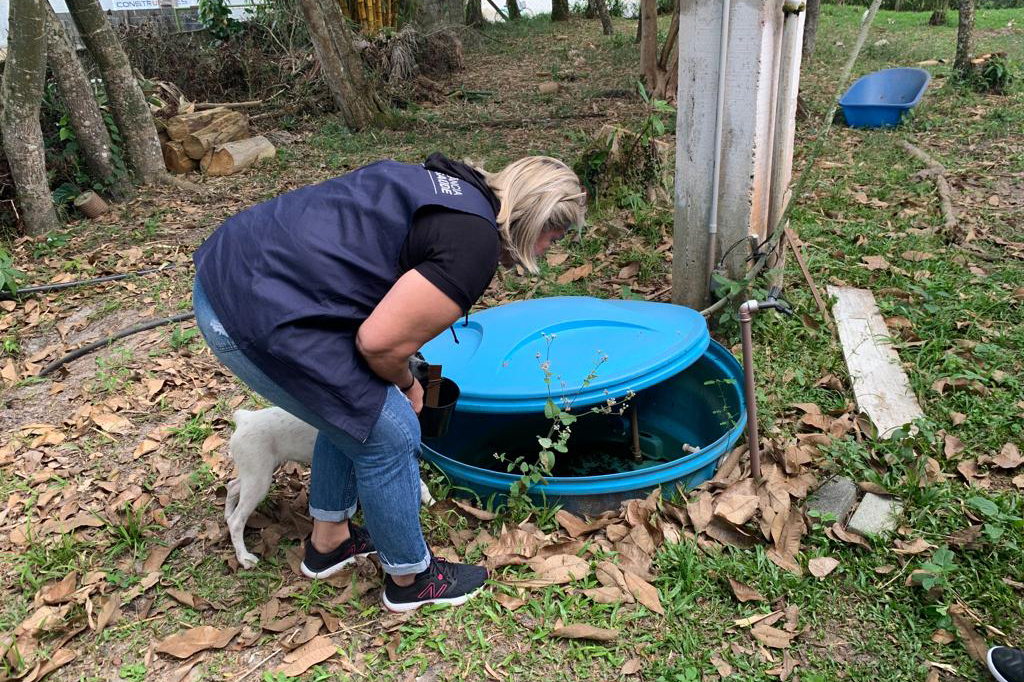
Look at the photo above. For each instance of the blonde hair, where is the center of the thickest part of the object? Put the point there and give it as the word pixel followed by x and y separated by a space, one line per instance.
pixel 537 193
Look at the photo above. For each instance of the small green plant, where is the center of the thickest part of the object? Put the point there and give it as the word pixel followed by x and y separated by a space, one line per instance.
pixel 10 345
pixel 127 530
pixel 995 75
pixel 936 572
pixel 557 438
pixel 215 16
pixel 133 672
pixel 269 676
pixel 195 430
pixel 9 276
pixel 181 336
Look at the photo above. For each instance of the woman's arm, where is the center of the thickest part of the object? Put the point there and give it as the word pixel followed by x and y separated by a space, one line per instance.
pixel 413 312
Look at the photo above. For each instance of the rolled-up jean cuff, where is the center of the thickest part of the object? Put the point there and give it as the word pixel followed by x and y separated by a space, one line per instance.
pixel 332 516
pixel 405 569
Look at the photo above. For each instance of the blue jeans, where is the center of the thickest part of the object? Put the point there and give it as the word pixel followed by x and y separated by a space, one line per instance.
pixel 382 473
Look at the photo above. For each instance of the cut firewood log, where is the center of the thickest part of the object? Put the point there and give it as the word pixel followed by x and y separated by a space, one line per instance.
pixel 175 158
pixel 227 127
pixel 181 126
pixel 231 157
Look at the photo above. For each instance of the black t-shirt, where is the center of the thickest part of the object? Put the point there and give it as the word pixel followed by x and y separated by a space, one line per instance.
pixel 456 252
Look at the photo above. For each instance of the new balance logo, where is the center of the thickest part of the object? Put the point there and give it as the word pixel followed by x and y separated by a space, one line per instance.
pixel 432 591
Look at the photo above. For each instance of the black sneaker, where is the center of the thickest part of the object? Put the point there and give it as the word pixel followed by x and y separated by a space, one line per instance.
pixel 442 583
pixel 1006 664
pixel 317 565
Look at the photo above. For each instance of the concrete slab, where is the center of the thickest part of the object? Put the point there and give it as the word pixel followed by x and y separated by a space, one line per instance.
pixel 836 498
pixel 876 515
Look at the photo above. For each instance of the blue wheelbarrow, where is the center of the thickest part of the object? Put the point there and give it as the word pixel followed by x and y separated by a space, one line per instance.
pixel 879 99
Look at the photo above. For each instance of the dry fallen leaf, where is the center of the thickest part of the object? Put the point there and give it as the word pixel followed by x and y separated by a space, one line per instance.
pixel 1009 457
pixel 573 274
pixel 751 620
pixel 584 631
pixel 606 595
pixel 744 592
pixel 822 566
pixel 59 592
pixel 723 667
pixel 509 602
pixel 941 636
pixel 772 637
pixel 561 568
pixel 474 512
pixel 916 546
pixel 555 259
pixel 315 651
pixel 737 509
pixel 631 667
pixel 975 644
pixel 184 644
pixel 644 592
pixel 875 263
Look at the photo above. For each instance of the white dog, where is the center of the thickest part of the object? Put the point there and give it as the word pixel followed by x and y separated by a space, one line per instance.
pixel 263 440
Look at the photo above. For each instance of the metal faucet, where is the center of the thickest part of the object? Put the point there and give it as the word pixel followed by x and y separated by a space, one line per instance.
pixel 747 311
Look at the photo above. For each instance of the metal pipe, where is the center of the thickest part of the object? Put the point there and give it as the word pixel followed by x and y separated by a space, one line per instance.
pixel 716 172
pixel 746 313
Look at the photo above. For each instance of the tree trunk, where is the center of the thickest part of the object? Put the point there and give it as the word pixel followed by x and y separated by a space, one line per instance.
pixel 131 111
pixel 91 132
pixel 474 14
pixel 559 10
pixel 938 18
pixel 606 21
pixel 342 67
pixel 513 10
pixel 649 43
pixel 965 39
pixel 591 11
pixel 811 29
pixel 21 94
pixel 639 21
pixel 666 80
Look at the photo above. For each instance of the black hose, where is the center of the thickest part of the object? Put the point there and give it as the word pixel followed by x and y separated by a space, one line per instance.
pixel 88 348
pixel 40 288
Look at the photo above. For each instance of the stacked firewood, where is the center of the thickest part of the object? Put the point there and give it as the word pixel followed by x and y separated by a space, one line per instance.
pixel 217 140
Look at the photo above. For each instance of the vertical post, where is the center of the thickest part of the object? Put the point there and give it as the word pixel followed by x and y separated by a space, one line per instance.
pixel 745 164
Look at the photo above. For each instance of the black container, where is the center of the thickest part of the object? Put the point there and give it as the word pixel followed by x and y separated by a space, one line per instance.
pixel 434 420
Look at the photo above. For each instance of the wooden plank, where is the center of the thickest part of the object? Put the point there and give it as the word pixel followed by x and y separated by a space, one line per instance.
pixel 880 385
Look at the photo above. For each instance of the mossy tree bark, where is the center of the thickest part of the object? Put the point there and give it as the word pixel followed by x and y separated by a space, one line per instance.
pixel 649 43
pixel 559 10
pixel 127 102
pixel 513 10
pixel 811 28
pixel 606 20
pixel 965 39
pixel 91 132
pixel 21 94
pixel 341 64
pixel 474 13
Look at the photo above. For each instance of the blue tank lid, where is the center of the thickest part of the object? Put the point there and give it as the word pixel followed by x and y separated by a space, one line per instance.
pixel 625 345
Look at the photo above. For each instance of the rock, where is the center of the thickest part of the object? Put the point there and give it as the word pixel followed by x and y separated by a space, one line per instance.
pixel 836 497
pixel 876 515
pixel 548 88
pixel 881 43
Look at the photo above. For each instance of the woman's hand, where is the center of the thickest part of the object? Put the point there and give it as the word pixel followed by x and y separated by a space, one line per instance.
pixel 415 396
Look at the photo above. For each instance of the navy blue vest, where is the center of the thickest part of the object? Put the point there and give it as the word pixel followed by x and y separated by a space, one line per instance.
pixel 292 279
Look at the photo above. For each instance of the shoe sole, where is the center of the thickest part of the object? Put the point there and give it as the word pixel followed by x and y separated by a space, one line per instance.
pixel 331 570
pixel 413 605
pixel 992 667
